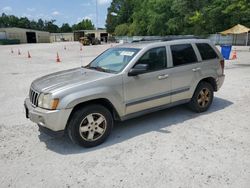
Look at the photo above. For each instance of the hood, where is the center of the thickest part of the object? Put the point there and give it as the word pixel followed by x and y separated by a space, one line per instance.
pixel 67 78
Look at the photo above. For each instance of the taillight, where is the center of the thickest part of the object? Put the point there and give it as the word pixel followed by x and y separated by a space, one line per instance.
pixel 222 64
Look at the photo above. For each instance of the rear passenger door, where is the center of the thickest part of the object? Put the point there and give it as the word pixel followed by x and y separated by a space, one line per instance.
pixel 184 72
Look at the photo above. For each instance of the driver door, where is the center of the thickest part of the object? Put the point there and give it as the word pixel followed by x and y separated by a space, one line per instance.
pixel 150 89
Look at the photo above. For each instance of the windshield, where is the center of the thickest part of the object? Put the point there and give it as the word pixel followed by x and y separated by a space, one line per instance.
pixel 113 60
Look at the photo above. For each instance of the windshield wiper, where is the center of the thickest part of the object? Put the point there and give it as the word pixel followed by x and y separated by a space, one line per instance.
pixel 100 69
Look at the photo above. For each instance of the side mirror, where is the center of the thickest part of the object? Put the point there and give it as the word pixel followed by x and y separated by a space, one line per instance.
pixel 138 69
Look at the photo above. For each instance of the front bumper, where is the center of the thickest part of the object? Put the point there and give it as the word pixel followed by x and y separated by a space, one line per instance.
pixel 54 120
pixel 220 81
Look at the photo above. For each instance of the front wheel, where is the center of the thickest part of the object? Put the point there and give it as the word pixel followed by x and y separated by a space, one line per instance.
pixel 202 98
pixel 90 126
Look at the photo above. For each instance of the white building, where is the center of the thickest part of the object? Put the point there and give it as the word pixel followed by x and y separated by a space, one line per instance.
pixel 25 35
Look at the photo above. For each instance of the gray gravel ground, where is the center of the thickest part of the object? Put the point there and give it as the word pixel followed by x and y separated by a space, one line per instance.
pixel 170 148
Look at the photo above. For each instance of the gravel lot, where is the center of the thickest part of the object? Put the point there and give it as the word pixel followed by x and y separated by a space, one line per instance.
pixel 170 148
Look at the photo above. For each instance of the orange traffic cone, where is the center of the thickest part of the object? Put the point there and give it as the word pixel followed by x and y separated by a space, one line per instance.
pixel 12 51
pixel 58 58
pixel 234 55
pixel 19 53
pixel 29 56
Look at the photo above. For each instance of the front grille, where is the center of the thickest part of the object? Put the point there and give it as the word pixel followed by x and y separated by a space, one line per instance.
pixel 34 95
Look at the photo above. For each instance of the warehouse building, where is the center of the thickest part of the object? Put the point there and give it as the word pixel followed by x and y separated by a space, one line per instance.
pixel 100 34
pixel 35 36
pixel 59 37
pixel 25 35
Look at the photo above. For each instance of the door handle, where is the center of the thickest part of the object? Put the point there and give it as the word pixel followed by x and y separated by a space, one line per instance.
pixel 164 76
pixel 196 69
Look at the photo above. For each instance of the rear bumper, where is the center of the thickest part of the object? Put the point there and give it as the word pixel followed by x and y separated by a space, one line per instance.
pixel 54 120
pixel 220 81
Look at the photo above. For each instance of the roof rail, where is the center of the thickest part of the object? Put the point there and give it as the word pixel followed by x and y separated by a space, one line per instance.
pixel 147 40
pixel 167 38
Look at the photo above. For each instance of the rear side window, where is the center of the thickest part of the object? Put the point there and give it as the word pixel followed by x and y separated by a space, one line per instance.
pixel 183 54
pixel 206 51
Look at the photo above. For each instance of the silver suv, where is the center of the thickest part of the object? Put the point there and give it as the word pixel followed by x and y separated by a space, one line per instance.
pixel 124 82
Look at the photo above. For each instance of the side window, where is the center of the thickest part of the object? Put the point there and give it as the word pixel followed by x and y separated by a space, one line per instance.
pixel 155 58
pixel 183 54
pixel 206 51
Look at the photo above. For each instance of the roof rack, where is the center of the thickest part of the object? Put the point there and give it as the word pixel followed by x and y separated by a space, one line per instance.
pixel 167 38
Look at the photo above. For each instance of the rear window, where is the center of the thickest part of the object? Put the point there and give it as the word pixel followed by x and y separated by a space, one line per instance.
pixel 206 51
pixel 183 54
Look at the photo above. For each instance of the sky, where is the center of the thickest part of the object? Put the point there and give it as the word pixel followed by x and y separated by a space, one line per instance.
pixel 63 11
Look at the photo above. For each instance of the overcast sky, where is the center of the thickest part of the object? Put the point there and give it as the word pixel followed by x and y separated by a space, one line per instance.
pixel 70 11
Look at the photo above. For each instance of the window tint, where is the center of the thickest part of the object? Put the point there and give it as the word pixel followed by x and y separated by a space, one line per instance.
pixel 206 51
pixel 183 54
pixel 155 58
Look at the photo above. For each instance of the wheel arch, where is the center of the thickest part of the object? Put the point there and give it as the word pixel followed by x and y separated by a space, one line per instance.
pixel 211 81
pixel 101 101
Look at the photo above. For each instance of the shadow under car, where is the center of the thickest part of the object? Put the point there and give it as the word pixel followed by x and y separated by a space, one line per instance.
pixel 126 130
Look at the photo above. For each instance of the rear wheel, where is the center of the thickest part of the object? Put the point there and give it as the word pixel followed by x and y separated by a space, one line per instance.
pixel 202 97
pixel 90 126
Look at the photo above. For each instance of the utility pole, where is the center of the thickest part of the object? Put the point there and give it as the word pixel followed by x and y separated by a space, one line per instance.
pixel 96 15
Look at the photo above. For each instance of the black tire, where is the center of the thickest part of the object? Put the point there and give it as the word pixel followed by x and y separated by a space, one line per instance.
pixel 80 119
pixel 199 102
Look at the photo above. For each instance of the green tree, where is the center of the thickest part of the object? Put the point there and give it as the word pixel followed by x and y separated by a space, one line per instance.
pixel 65 28
pixel 122 29
pixel 84 24
pixel 24 22
pixel 238 12
pixel 164 17
pixel 33 25
pixel 51 27
pixel 40 24
pixel 119 12
pixel 112 16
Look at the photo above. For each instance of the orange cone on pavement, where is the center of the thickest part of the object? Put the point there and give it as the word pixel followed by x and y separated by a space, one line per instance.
pixel 29 56
pixel 234 55
pixel 58 58
pixel 19 53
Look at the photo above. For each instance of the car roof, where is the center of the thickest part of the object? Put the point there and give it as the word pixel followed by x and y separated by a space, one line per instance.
pixel 145 44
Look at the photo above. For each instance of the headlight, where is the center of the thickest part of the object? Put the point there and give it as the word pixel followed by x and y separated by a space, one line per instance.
pixel 46 101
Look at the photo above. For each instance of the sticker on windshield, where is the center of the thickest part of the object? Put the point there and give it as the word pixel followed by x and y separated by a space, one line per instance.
pixel 126 53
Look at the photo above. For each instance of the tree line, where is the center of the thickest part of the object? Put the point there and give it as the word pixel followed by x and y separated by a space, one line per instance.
pixel 174 17
pixel 43 25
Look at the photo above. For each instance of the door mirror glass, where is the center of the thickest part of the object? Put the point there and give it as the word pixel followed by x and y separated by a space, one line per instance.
pixel 138 69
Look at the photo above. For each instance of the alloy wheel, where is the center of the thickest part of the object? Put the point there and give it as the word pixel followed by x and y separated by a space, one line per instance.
pixel 204 97
pixel 92 127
